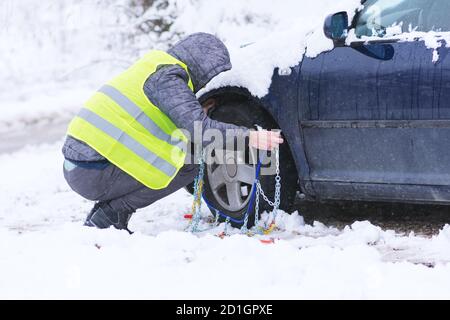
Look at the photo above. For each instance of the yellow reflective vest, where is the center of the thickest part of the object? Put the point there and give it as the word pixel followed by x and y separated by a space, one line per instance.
pixel 125 127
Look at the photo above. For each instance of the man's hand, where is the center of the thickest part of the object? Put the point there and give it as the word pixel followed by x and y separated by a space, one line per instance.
pixel 265 140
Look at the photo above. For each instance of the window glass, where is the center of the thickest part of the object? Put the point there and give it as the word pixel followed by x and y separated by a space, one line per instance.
pixel 409 15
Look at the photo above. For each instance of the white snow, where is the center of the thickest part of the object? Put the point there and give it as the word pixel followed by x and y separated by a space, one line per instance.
pixel 54 53
pixel 431 39
pixel 46 253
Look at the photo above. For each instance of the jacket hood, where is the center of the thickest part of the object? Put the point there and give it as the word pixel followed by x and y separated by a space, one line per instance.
pixel 205 56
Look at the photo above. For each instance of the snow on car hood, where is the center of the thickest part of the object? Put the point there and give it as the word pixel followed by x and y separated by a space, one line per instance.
pixel 299 33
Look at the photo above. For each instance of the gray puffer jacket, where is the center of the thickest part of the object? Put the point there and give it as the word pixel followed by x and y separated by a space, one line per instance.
pixel 206 56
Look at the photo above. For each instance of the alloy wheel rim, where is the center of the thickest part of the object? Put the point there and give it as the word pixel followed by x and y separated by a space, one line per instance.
pixel 231 179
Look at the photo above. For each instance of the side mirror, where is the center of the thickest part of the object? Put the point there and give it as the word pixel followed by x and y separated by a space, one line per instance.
pixel 336 26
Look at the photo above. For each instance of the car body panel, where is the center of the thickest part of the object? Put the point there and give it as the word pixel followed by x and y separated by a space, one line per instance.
pixel 368 121
pixel 371 121
pixel 281 102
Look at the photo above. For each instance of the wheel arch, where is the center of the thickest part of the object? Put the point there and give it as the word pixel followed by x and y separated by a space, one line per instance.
pixel 231 93
pixel 234 93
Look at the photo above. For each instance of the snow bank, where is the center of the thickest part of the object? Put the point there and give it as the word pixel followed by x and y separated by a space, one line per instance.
pixel 76 263
pixel 56 41
pixel 432 39
pixel 46 253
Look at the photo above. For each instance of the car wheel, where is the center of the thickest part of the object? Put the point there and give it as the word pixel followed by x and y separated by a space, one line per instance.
pixel 228 187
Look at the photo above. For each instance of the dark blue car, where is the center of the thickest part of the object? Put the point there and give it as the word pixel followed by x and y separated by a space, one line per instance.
pixel 366 121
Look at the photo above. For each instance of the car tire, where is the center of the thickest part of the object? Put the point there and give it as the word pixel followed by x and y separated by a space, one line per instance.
pixel 245 112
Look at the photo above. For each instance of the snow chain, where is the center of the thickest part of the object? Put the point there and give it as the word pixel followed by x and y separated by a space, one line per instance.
pixel 276 202
pixel 198 190
pixel 268 228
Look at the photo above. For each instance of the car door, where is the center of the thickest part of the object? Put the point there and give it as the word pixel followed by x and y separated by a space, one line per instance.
pixel 375 116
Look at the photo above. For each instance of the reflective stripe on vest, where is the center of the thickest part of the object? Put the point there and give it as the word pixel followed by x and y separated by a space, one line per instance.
pixel 130 107
pixel 127 141
pixel 121 124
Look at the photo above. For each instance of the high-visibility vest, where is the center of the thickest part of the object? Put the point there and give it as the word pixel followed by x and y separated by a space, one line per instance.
pixel 125 127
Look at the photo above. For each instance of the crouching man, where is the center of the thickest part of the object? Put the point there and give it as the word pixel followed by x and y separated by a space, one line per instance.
pixel 123 149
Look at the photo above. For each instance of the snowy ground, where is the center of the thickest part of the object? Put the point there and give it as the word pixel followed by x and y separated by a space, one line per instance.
pixel 46 253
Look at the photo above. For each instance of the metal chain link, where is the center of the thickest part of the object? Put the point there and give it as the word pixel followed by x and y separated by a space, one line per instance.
pixel 263 195
pixel 197 204
pixel 277 184
pixel 277 197
pixel 276 201
pixel 244 228
pixel 257 207
pixel 198 184
pixel 216 221
pixel 225 229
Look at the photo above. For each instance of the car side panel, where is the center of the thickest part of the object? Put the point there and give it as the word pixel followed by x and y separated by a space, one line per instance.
pixel 282 103
pixel 375 128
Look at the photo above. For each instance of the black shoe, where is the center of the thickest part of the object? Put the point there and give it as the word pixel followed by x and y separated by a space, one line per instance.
pixel 102 216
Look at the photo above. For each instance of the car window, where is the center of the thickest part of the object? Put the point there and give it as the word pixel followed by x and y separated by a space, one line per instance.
pixel 409 15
